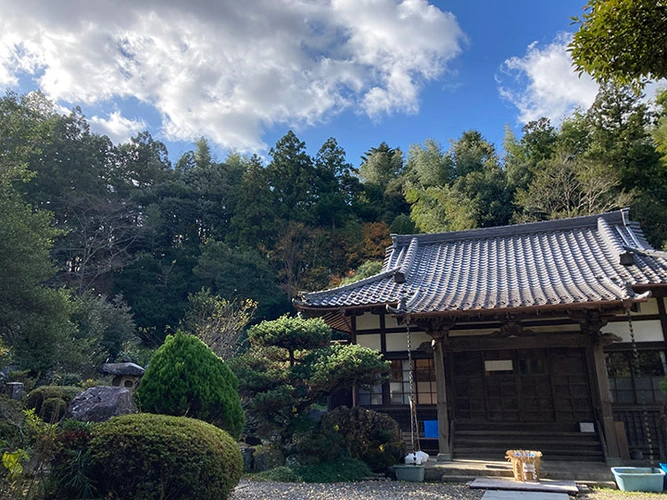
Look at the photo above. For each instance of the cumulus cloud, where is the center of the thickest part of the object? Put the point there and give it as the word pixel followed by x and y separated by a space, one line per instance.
pixel 229 70
pixel 543 83
pixel 116 127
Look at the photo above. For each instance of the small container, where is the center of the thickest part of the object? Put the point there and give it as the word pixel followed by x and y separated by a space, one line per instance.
pixel 639 478
pixel 407 472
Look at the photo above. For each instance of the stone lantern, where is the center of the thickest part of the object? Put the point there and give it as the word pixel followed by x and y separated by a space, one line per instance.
pixel 125 375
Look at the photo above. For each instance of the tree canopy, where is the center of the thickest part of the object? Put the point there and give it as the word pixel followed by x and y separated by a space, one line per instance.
pixel 109 246
pixel 622 41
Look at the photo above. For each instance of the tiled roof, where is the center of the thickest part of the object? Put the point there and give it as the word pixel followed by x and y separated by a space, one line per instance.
pixel 564 263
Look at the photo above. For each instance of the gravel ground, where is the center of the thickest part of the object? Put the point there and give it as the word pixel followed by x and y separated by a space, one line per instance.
pixel 389 490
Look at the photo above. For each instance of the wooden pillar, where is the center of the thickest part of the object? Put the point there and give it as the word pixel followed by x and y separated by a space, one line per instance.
pixel 592 323
pixel 444 451
pixel 608 425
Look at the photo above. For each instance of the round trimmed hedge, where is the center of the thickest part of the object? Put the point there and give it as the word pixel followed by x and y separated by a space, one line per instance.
pixel 145 457
pixel 38 397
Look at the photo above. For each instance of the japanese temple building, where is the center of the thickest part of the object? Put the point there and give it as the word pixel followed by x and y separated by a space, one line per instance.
pixel 522 336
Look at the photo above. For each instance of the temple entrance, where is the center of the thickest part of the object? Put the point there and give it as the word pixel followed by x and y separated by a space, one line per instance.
pixel 523 385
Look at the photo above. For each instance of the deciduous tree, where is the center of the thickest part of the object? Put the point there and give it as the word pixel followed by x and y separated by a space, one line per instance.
pixel 622 41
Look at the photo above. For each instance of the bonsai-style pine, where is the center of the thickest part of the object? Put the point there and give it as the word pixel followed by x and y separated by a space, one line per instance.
pixel 292 365
pixel 185 378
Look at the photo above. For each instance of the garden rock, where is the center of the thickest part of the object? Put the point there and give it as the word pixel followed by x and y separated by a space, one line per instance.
pixel 293 461
pixel 267 458
pixel 247 453
pixel 99 404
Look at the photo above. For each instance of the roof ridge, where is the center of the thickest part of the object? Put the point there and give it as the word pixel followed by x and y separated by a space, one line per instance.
pixel 409 257
pixel 571 223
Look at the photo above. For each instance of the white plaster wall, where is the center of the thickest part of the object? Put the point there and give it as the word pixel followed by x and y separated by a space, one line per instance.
pixel 648 307
pixel 645 331
pixel 399 341
pixel 368 321
pixel 370 340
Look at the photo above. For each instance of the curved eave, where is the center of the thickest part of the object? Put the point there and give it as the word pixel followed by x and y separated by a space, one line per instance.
pixel 337 317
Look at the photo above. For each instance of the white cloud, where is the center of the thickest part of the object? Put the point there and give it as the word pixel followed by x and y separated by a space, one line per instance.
pixel 117 127
pixel 228 70
pixel 543 83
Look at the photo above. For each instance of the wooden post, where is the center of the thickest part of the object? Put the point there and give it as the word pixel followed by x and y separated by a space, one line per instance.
pixel 608 425
pixel 592 323
pixel 444 453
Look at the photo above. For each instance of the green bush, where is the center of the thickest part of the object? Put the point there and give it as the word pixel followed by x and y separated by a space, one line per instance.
pixel 347 469
pixel 69 379
pixel 185 377
pixel 344 470
pixel 37 398
pixel 145 457
pixel 372 437
pixel 53 410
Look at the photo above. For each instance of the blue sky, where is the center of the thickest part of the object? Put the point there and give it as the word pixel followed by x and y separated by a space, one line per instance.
pixel 243 73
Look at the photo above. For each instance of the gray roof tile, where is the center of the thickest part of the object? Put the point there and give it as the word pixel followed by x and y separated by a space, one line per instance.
pixel 564 262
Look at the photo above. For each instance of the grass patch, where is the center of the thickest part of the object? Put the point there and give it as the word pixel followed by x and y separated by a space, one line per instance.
pixel 345 470
pixel 279 474
pixel 610 492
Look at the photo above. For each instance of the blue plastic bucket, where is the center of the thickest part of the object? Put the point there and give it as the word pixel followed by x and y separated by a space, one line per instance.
pixel 431 429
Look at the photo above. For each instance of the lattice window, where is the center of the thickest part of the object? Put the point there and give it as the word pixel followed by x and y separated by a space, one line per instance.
pixel 424 380
pixel 624 384
pixel 372 397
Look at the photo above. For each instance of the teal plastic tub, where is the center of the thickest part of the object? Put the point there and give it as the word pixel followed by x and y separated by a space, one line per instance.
pixel 409 472
pixel 639 478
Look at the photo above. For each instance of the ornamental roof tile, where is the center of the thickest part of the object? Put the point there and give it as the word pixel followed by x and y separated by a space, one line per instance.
pixel 553 264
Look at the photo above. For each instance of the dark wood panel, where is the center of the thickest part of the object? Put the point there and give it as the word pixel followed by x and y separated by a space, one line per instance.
pixel 543 385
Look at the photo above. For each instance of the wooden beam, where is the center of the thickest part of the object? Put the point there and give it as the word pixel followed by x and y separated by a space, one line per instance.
pixel 537 341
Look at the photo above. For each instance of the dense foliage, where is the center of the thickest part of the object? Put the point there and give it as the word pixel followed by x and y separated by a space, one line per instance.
pixel 44 400
pixel 623 41
pixel 291 366
pixel 185 378
pixel 372 437
pixel 105 248
pixel 145 457
pixel 343 470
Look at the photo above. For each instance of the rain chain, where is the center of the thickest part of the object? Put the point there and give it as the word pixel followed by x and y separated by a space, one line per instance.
pixel 642 400
pixel 414 429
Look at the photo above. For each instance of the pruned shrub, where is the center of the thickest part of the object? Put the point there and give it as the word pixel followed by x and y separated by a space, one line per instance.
pixel 185 377
pixel 39 396
pixel 146 457
pixel 53 410
pixel 372 437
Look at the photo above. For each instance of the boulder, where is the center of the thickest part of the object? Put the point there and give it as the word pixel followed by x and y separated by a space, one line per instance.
pixel 267 458
pixel 99 404
pixel 247 453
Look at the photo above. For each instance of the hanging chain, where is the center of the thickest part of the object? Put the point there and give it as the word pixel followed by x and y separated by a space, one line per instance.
pixel 642 400
pixel 414 429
